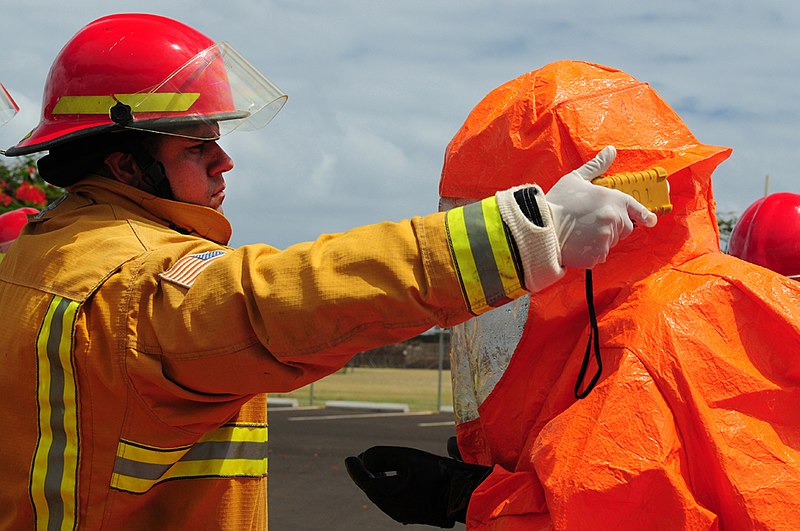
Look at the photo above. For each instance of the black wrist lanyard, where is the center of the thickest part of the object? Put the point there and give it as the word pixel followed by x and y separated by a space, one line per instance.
pixel 594 341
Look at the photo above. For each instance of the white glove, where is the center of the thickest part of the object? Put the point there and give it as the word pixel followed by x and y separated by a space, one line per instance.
pixel 590 219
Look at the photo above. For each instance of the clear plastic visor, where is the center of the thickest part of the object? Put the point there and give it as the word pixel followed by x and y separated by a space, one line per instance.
pixel 8 107
pixel 214 93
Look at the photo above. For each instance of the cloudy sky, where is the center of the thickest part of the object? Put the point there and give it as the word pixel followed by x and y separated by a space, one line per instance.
pixel 377 89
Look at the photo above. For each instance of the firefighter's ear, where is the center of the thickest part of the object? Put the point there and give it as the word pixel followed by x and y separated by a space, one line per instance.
pixel 123 168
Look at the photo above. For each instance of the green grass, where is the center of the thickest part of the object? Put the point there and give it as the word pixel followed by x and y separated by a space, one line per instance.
pixel 416 387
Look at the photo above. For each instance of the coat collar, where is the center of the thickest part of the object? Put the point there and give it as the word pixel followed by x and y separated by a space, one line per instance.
pixel 198 220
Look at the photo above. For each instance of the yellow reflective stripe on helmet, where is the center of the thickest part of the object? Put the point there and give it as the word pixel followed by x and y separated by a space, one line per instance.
pixel 54 472
pixel 483 255
pixel 234 450
pixel 152 102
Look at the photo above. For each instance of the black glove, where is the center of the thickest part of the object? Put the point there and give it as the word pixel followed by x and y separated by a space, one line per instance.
pixel 415 487
pixel 452 448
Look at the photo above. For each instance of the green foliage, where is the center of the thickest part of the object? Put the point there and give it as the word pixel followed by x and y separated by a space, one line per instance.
pixel 21 186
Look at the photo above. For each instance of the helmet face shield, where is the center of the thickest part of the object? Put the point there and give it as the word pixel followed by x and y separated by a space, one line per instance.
pixel 214 93
pixel 8 107
pixel 252 91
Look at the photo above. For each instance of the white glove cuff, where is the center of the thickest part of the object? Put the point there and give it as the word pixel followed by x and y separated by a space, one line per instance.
pixel 539 250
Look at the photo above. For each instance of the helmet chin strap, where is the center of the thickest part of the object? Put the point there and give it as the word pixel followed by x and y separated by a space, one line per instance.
pixel 153 173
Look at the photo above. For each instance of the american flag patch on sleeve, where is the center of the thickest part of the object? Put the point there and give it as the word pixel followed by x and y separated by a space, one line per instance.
pixel 186 270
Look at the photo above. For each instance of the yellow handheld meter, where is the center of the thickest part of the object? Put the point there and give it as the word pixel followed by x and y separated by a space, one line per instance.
pixel 649 187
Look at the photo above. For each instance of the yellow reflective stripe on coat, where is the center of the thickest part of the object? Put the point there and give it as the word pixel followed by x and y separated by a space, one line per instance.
pixel 152 102
pixel 54 474
pixel 483 255
pixel 234 450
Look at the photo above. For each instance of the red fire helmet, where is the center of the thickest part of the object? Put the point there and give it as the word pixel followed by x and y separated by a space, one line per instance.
pixel 151 73
pixel 768 232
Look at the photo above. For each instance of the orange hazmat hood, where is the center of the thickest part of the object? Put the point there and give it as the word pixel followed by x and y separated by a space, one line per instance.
pixel 546 123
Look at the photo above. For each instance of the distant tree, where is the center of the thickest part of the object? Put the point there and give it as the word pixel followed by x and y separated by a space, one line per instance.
pixel 726 221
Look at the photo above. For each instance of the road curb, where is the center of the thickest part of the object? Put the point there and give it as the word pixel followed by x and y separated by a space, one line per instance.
pixel 351 404
pixel 370 406
pixel 282 402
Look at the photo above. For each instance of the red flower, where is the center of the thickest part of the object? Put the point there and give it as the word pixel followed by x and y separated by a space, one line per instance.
pixel 30 194
pixel 4 199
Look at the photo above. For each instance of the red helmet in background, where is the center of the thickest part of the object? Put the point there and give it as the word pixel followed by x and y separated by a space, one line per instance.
pixel 768 234
pixel 151 73
pixel 8 107
pixel 11 224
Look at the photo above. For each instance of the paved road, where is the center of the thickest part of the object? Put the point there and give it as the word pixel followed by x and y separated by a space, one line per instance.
pixel 308 485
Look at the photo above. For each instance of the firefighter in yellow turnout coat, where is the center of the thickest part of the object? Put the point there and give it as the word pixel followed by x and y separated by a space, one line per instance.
pixel 151 346
pixel 136 344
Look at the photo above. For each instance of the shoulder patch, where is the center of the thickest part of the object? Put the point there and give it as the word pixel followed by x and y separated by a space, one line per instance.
pixel 188 268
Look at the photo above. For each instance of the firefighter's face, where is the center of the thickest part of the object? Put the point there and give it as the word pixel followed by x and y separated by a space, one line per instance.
pixel 195 169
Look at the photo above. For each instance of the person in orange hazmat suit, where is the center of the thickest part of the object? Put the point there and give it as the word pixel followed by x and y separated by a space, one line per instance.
pixel 692 423
pixel 138 345
pixel 767 234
